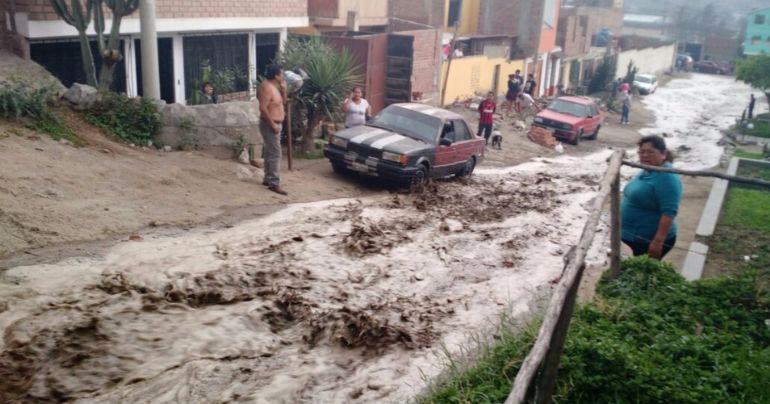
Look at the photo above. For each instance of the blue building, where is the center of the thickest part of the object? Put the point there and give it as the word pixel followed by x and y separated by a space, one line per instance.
pixel 757 32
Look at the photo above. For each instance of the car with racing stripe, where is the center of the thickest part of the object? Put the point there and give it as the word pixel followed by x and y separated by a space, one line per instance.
pixel 407 142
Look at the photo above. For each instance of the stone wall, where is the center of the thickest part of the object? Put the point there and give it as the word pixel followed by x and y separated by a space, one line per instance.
pixel 218 129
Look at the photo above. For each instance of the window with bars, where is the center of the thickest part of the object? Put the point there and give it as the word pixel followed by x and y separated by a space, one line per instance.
pixel 63 60
pixel 225 54
pixel 267 50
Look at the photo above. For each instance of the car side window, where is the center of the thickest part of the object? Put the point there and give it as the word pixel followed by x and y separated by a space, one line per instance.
pixel 592 110
pixel 449 131
pixel 461 131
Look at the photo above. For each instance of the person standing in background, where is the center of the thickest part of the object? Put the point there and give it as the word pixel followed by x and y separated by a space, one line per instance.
pixel 207 94
pixel 487 110
pixel 625 98
pixel 530 85
pixel 272 95
pixel 356 108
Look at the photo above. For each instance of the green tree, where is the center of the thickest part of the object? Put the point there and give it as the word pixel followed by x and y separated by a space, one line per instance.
pixel 332 75
pixel 631 71
pixel 755 71
pixel 604 74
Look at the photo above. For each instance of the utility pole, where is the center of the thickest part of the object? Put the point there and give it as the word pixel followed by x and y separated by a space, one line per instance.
pixel 150 70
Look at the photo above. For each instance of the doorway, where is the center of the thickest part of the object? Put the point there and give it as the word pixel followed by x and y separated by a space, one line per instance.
pixel 165 68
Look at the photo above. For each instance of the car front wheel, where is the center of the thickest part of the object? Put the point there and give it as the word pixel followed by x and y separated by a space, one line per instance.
pixel 577 137
pixel 595 134
pixel 419 177
pixel 339 169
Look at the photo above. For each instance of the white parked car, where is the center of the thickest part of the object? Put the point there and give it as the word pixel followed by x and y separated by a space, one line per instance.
pixel 646 83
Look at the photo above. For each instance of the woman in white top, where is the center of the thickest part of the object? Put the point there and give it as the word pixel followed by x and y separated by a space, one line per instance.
pixel 356 109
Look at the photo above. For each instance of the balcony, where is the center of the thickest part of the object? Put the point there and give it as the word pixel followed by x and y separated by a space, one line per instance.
pixel 334 13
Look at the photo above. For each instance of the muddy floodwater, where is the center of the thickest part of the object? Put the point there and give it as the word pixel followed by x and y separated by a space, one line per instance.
pixel 335 301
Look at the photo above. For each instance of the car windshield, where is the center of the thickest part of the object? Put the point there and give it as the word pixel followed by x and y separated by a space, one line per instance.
pixel 407 122
pixel 569 108
pixel 643 79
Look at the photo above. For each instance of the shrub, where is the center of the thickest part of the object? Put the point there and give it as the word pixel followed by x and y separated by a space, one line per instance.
pixel 134 120
pixel 28 104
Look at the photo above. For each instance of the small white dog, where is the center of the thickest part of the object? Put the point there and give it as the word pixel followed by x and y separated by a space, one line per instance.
pixel 497 140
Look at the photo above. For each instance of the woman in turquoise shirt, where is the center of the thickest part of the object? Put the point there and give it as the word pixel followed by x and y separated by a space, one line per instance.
pixel 650 203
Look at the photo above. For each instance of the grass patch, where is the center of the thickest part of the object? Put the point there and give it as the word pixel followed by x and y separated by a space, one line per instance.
pixel 743 231
pixel 761 126
pixel 747 208
pixel 747 155
pixel 651 337
pixel 28 104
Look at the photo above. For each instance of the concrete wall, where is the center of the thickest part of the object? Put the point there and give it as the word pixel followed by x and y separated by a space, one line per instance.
pixel 476 74
pixel 216 128
pixel 653 60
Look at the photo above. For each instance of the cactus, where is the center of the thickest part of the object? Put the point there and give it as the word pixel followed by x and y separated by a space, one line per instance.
pixel 80 17
pixel 109 49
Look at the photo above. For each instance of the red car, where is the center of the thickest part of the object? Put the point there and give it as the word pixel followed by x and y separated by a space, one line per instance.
pixel 710 67
pixel 408 143
pixel 571 118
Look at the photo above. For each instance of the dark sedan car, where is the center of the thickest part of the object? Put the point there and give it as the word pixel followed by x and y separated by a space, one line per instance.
pixel 408 143
pixel 710 67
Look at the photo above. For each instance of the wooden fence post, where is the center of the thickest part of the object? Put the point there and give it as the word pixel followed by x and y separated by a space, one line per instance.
pixel 553 331
pixel 547 378
pixel 615 228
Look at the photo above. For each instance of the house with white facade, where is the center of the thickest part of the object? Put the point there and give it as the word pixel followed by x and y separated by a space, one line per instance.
pixel 241 35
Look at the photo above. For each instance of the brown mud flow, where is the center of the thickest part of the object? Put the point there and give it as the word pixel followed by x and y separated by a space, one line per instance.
pixel 283 308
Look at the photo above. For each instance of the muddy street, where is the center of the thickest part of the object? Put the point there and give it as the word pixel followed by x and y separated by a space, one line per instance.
pixel 338 300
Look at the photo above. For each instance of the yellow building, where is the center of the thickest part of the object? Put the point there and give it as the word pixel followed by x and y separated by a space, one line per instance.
pixel 463 12
pixel 477 75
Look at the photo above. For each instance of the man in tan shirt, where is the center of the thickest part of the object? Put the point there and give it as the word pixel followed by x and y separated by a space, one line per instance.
pixel 271 96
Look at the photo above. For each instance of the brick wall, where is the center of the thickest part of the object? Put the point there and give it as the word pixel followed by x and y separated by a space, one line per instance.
pixel 425 59
pixel 430 12
pixel 512 18
pixel 42 10
pixel 575 38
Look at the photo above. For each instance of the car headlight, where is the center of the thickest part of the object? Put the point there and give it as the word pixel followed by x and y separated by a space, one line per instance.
pixel 538 119
pixel 338 141
pixel 394 157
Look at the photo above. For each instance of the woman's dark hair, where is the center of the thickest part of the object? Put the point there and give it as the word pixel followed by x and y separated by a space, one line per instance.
pixel 357 88
pixel 206 84
pixel 655 141
pixel 272 70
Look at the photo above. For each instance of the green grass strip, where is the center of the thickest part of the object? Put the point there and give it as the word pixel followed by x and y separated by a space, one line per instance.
pixel 650 337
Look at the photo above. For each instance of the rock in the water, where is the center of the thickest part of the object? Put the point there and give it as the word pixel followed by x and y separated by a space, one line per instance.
pixel 451 225
pixel 82 96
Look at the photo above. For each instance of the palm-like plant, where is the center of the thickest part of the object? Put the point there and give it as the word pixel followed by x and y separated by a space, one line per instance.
pixel 332 75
